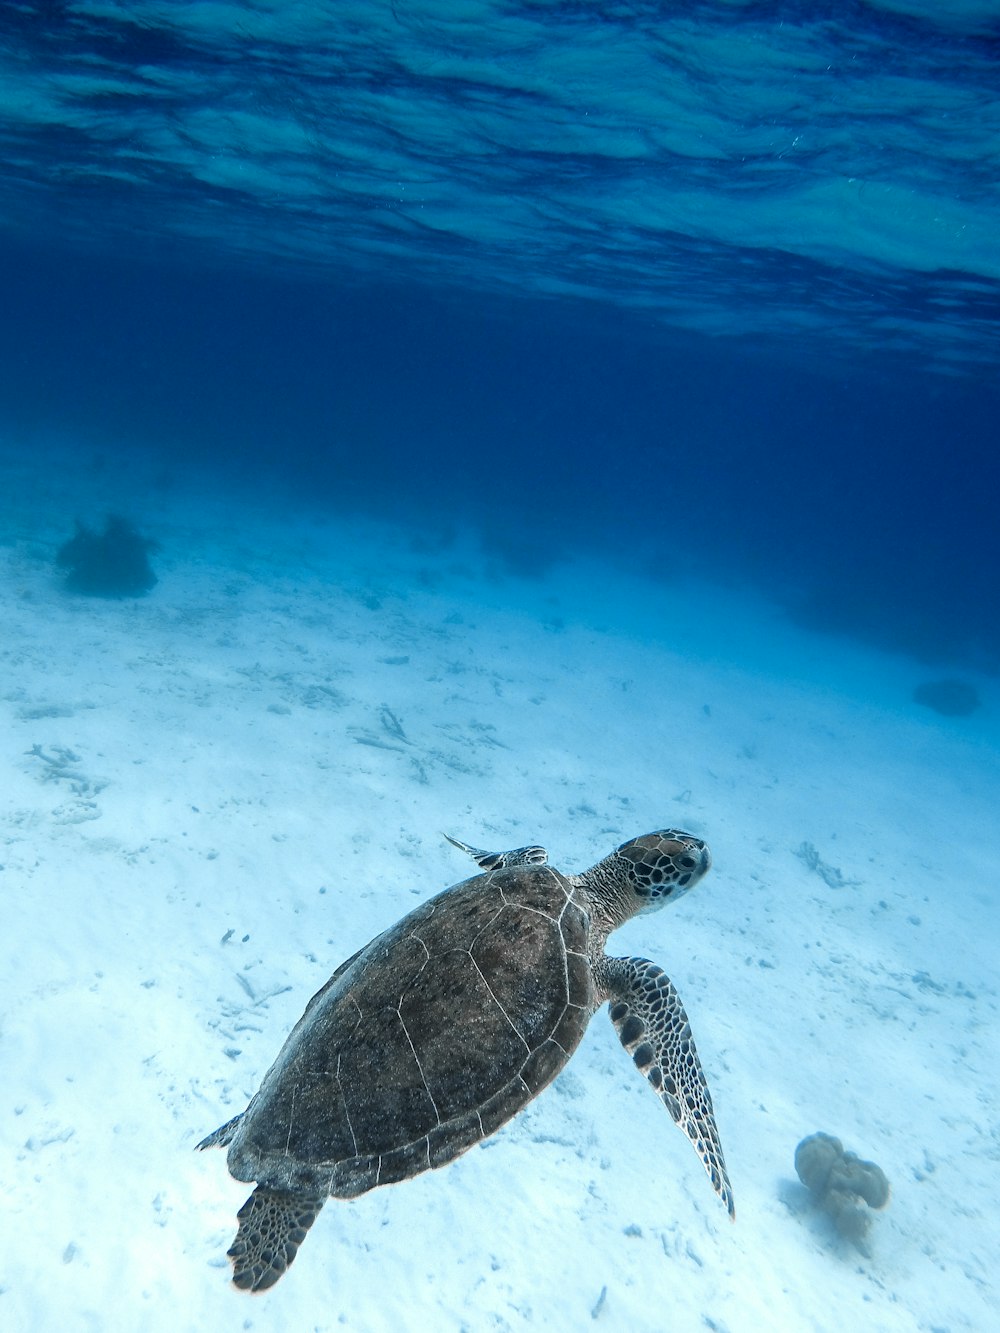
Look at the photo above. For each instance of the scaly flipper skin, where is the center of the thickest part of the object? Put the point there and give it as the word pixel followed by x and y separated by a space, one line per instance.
pixel 520 856
pixel 273 1224
pixel 653 1027
pixel 223 1136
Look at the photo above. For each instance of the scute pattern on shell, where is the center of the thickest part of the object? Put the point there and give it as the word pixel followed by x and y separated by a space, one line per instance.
pixel 430 1039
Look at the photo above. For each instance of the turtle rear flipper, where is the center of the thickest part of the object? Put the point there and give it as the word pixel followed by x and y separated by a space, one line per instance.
pixel 223 1136
pixel 518 856
pixel 273 1224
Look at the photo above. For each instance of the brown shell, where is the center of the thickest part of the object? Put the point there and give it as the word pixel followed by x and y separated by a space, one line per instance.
pixel 427 1040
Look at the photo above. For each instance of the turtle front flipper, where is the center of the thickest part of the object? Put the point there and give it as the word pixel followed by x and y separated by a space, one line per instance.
pixel 520 856
pixel 273 1224
pixel 653 1027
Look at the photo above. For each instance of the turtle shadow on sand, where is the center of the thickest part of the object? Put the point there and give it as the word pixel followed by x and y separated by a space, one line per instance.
pixel 445 1026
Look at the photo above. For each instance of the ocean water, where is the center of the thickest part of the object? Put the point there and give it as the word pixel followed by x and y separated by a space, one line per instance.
pixel 545 423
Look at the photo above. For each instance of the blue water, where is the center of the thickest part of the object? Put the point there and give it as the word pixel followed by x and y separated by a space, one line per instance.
pixel 710 286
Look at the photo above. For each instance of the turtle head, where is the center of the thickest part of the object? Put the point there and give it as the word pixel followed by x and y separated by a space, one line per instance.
pixel 646 872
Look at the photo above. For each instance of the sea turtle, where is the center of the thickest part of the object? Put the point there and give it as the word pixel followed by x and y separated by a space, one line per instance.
pixel 443 1027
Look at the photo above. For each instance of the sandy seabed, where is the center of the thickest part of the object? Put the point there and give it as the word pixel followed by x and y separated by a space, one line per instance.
pixel 213 794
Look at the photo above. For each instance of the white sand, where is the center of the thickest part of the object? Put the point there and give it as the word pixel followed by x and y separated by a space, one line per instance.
pixel 205 808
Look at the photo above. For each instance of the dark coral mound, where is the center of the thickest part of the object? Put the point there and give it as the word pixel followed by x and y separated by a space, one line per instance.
pixel 952 698
pixel 112 563
pixel 934 630
pixel 843 1185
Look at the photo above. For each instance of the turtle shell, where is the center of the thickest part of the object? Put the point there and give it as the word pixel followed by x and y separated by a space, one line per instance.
pixel 427 1040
